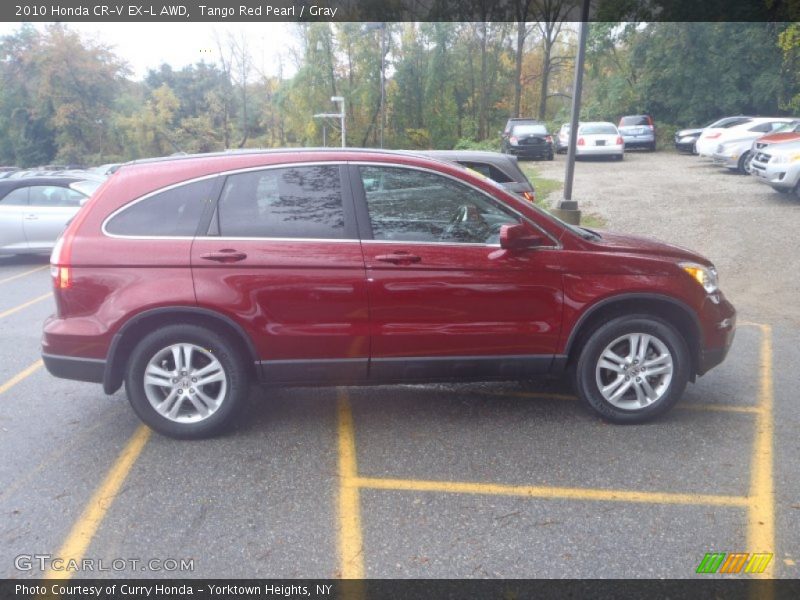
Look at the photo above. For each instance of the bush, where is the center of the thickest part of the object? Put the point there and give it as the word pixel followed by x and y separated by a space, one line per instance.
pixel 665 136
pixel 468 144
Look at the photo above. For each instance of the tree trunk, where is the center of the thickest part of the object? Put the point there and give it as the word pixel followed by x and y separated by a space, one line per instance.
pixel 518 68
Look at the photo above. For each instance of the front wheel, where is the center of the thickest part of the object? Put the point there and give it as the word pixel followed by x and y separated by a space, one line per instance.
pixel 743 166
pixel 632 369
pixel 186 381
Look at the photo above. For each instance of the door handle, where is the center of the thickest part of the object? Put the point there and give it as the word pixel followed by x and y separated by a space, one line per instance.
pixel 399 258
pixel 226 255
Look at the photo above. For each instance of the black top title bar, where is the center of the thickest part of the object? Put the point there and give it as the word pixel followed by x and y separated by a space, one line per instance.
pixel 388 10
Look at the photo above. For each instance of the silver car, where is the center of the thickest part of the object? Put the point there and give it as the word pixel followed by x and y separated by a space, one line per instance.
pixel 34 210
pixel 778 165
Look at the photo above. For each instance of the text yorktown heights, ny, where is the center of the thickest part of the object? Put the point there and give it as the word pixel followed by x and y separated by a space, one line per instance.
pixel 170 590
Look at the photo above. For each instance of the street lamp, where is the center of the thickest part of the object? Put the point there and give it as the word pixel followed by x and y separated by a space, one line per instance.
pixel 340 115
pixel 340 100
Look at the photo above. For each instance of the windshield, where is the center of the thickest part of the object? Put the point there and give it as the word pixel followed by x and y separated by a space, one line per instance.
pixel 788 128
pixel 598 129
pixel 529 130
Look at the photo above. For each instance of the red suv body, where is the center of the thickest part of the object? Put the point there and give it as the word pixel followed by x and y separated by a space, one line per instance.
pixel 186 279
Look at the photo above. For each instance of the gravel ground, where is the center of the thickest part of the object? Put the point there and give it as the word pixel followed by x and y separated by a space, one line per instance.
pixel 748 230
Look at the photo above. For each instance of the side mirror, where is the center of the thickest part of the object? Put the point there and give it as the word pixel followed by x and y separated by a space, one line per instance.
pixel 517 237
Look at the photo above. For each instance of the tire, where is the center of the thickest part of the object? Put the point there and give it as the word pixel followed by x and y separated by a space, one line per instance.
pixel 743 166
pixel 620 156
pixel 551 156
pixel 664 347
pixel 209 408
pixel 653 147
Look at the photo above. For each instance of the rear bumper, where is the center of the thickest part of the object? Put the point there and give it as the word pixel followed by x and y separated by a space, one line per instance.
pixel 599 150
pixel 522 151
pixel 632 141
pixel 70 367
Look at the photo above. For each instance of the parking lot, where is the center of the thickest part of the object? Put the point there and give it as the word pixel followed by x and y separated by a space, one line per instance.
pixel 444 481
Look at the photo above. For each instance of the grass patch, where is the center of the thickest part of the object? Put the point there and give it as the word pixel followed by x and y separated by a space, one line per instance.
pixel 545 186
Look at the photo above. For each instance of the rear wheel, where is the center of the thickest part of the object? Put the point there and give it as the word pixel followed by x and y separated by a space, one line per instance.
pixel 186 381
pixel 632 369
pixel 652 147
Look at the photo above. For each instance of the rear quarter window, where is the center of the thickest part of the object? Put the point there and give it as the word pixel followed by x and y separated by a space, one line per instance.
pixel 174 212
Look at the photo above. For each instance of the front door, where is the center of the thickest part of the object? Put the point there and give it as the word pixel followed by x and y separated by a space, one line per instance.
pixel 445 299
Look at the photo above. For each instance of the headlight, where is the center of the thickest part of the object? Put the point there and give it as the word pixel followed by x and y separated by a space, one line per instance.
pixel 785 159
pixel 687 139
pixel 705 276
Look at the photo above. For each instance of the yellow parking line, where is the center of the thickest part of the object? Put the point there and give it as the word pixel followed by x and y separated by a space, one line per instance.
pixel 351 551
pixel 23 274
pixel 696 407
pixel 761 515
pixel 20 376
pixel 11 311
pixel 554 493
pixel 86 526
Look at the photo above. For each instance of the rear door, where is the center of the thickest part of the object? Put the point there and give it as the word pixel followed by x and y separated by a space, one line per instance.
pixel 49 209
pixel 445 300
pixel 12 232
pixel 283 259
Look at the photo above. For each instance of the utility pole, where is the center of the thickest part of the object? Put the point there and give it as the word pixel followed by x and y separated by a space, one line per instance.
pixel 568 208
pixel 340 115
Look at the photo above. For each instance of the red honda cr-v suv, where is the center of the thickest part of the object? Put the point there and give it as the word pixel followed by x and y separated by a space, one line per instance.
pixel 187 279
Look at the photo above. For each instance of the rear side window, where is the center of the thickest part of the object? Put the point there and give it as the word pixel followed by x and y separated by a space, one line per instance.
pixel 293 202
pixel 489 171
pixel 175 212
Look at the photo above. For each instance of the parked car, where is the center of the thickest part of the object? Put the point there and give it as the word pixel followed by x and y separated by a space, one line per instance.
pixel 638 131
pixel 709 138
pixel 686 139
pixel 599 138
pixel 562 139
pixel 528 139
pixel 501 168
pixel 733 147
pixel 778 165
pixel 189 278
pixel 788 133
pixel 34 211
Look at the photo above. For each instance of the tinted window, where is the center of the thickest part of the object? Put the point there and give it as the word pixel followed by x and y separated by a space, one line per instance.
pixel 761 127
pixel 732 122
pixel 17 197
pixel 406 204
pixel 173 212
pixel 634 120
pixel 54 196
pixel 489 171
pixel 295 202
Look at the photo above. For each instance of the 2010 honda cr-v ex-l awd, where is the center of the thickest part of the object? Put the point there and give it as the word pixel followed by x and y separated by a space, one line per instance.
pixel 188 278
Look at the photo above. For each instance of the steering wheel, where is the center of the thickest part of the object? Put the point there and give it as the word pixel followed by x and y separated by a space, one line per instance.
pixel 467 218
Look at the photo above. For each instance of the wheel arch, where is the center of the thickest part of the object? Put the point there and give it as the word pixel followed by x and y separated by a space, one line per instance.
pixel 138 326
pixel 671 310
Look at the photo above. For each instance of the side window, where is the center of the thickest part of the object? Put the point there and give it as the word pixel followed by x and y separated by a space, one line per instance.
pixel 54 196
pixel 174 212
pixel 489 171
pixel 406 204
pixel 17 197
pixel 762 127
pixel 293 202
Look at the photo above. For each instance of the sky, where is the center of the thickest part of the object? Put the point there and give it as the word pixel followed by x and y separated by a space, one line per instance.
pixel 146 45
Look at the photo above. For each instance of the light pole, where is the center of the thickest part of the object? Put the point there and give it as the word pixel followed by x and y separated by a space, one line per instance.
pixel 340 115
pixel 340 100
pixel 382 27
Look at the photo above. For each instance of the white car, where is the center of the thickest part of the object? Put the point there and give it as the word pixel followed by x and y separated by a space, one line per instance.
pixel 734 148
pixel 599 138
pixel 778 165
pixel 708 144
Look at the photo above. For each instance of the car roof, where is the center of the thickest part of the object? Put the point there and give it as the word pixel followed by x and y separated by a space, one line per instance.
pixel 7 184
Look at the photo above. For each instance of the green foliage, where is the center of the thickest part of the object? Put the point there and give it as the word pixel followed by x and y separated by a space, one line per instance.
pixel 468 144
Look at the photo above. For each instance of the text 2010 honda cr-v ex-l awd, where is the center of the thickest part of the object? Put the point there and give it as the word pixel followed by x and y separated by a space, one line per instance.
pixel 189 278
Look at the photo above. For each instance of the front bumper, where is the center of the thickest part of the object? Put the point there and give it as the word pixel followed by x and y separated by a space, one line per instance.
pixel 724 160
pixel 784 176
pixel 720 317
